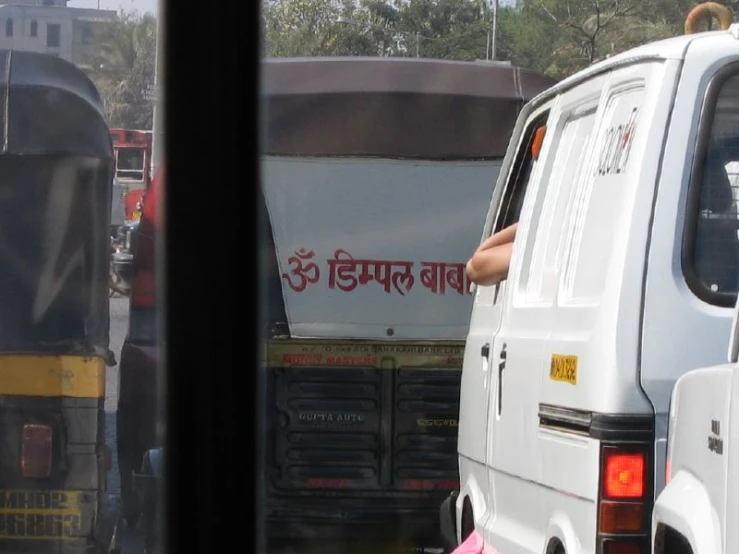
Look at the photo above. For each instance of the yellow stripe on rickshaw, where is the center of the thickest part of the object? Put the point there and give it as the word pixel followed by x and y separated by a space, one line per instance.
pixel 52 376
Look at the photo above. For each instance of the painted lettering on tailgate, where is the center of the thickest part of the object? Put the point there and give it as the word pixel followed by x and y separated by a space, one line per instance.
pixel 346 273
pixel 319 359
pixel 429 484
pixel 53 515
pixel 386 356
pixel 437 422
pixel 331 419
pixel 563 368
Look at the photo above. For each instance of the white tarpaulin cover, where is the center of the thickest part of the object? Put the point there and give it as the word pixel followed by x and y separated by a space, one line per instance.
pixel 376 248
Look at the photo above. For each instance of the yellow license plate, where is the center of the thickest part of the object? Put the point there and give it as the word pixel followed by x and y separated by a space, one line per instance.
pixel 55 515
pixel 563 368
pixel 136 216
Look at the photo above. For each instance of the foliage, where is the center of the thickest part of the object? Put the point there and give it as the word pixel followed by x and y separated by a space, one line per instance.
pixel 558 37
pixel 122 67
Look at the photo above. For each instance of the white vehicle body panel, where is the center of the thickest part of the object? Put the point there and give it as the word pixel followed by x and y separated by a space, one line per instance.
pixel 693 503
pixel 597 275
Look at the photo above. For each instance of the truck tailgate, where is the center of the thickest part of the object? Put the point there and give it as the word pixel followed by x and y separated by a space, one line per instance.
pixel 361 416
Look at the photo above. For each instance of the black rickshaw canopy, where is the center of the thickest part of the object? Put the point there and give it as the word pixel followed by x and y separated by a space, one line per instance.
pixel 56 173
pixel 49 106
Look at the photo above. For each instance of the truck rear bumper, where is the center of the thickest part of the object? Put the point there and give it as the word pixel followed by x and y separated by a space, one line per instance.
pixel 418 526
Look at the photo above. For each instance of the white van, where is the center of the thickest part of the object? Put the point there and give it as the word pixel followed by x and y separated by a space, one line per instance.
pixel 624 273
pixel 694 512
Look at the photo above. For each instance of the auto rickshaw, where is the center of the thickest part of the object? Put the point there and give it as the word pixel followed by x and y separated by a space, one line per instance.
pixel 56 170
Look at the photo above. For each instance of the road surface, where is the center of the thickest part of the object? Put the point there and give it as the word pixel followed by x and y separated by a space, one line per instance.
pixel 131 542
pixel 118 328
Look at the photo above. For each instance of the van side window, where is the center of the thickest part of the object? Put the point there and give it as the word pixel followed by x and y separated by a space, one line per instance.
pixel 603 196
pixel 510 208
pixel 711 241
pixel 551 218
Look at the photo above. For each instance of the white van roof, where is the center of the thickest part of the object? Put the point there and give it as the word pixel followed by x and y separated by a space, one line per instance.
pixel 671 48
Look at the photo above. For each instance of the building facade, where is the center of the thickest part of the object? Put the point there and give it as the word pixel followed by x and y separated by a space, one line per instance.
pixel 50 27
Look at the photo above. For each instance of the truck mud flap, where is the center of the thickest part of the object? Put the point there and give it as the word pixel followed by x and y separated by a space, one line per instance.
pixel 448 521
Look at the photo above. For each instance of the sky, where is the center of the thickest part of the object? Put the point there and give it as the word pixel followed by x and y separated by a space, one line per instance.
pixel 141 6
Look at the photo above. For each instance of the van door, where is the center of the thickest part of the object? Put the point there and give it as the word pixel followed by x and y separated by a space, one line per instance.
pixel 694 252
pixel 519 355
pixel 478 376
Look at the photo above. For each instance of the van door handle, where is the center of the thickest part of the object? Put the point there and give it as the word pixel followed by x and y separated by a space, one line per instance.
pixel 485 350
pixel 501 368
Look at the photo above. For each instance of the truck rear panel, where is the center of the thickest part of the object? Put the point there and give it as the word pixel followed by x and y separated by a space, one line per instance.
pixel 357 427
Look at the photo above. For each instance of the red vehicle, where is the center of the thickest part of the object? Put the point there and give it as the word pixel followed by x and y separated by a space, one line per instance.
pixel 138 400
pixel 133 166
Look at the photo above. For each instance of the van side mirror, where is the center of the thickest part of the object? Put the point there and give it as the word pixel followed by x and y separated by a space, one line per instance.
pixel 734 339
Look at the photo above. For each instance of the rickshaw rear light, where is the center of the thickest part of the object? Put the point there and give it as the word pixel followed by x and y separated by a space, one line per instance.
pixel 36 450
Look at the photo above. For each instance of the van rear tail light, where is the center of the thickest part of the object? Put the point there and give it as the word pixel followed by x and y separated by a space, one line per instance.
pixel 624 474
pixel 629 547
pixel 625 498
pixel 36 451
pixel 621 517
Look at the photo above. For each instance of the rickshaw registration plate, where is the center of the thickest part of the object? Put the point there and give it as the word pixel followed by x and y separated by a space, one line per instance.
pixel 40 514
pixel 136 216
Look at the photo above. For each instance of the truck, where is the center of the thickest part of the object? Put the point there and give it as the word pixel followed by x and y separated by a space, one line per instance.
pixel 374 177
pixel 133 161
pixel 623 277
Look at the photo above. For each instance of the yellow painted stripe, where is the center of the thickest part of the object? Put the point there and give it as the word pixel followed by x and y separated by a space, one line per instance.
pixel 71 376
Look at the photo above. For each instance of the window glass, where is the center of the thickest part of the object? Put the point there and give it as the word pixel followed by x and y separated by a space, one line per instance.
pixel 53 35
pixel 539 271
pixel 715 255
pixel 600 196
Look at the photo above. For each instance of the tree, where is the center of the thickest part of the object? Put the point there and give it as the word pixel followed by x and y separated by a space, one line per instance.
pixel 122 68
pixel 590 30
pixel 557 37
pixel 446 29
pixel 452 29
pixel 526 39
pixel 312 28
pixel 586 28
